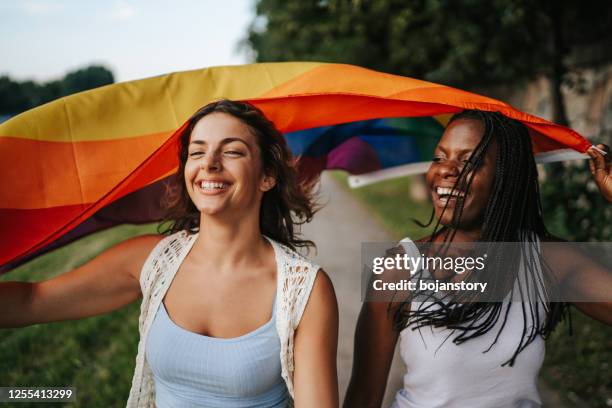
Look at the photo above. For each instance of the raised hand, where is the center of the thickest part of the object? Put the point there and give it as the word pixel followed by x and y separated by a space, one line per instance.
pixel 601 169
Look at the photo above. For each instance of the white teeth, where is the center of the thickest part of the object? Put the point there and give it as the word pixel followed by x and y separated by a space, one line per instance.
pixel 443 191
pixel 208 185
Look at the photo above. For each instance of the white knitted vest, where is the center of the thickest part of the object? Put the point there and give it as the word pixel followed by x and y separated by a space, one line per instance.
pixel 296 276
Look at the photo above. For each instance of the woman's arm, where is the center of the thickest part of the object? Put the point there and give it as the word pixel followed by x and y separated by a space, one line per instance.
pixel 375 340
pixel 584 281
pixel 601 169
pixel 601 311
pixel 106 283
pixel 315 377
pixel 584 276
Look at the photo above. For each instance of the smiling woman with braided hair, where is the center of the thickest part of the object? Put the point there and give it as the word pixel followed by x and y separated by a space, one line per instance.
pixel 484 188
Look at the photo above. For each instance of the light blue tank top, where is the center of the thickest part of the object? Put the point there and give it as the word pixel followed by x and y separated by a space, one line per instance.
pixel 193 370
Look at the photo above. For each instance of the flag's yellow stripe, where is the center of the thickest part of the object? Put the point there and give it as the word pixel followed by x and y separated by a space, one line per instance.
pixel 146 106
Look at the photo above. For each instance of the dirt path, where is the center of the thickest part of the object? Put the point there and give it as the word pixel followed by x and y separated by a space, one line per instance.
pixel 339 229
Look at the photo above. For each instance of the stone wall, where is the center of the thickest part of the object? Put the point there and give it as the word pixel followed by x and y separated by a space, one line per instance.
pixel 588 104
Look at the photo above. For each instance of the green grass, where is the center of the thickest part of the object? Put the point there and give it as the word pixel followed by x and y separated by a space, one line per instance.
pixel 94 355
pixel 577 367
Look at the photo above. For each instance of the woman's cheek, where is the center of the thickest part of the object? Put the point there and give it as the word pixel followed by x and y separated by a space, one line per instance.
pixel 190 168
pixel 190 173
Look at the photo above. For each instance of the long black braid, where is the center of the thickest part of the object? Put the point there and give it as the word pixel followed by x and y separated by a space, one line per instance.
pixel 512 214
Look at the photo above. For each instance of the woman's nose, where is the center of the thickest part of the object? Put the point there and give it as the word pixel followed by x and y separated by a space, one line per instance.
pixel 211 162
pixel 450 168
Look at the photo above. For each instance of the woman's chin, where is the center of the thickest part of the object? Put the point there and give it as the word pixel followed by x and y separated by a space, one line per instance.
pixel 444 218
pixel 465 225
pixel 212 210
pixel 446 221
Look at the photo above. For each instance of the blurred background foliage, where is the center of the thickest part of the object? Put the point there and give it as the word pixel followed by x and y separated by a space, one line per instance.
pixel 18 96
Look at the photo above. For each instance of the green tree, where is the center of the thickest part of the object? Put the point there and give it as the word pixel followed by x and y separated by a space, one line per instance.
pixel 16 97
pixel 86 78
pixel 13 96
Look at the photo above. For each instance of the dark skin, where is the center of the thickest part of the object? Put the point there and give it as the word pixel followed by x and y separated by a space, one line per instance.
pixel 375 335
pixel 450 156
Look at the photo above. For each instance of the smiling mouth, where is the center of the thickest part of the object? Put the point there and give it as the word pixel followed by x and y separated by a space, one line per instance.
pixel 212 187
pixel 446 195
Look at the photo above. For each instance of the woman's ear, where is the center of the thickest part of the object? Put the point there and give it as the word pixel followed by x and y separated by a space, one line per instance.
pixel 267 183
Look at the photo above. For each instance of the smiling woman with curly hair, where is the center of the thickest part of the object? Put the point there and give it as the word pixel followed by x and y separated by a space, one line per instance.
pixel 231 315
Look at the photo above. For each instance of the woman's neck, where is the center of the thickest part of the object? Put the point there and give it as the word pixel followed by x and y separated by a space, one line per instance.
pixel 459 235
pixel 230 242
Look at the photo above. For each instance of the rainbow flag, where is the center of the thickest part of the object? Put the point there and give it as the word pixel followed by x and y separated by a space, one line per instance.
pixel 99 158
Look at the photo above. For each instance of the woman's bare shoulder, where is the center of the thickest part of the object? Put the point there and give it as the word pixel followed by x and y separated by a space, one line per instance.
pixel 322 303
pixel 323 288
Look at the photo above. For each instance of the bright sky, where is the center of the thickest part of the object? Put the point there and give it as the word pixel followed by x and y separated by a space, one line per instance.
pixel 44 39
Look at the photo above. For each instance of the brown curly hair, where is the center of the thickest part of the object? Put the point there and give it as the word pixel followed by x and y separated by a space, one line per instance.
pixel 289 203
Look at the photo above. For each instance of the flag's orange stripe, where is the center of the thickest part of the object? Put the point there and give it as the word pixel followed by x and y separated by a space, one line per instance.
pixel 353 80
pixel 324 110
pixel 52 174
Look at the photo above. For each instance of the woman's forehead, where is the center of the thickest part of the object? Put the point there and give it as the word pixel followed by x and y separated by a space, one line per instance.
pixel 462 134
pixel 219 126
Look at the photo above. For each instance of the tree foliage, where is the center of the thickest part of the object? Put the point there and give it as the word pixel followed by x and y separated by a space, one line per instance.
pixel 460 42
pixel 16 97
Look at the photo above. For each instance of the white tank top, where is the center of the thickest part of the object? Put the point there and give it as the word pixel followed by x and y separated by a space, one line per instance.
pixel 440 373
